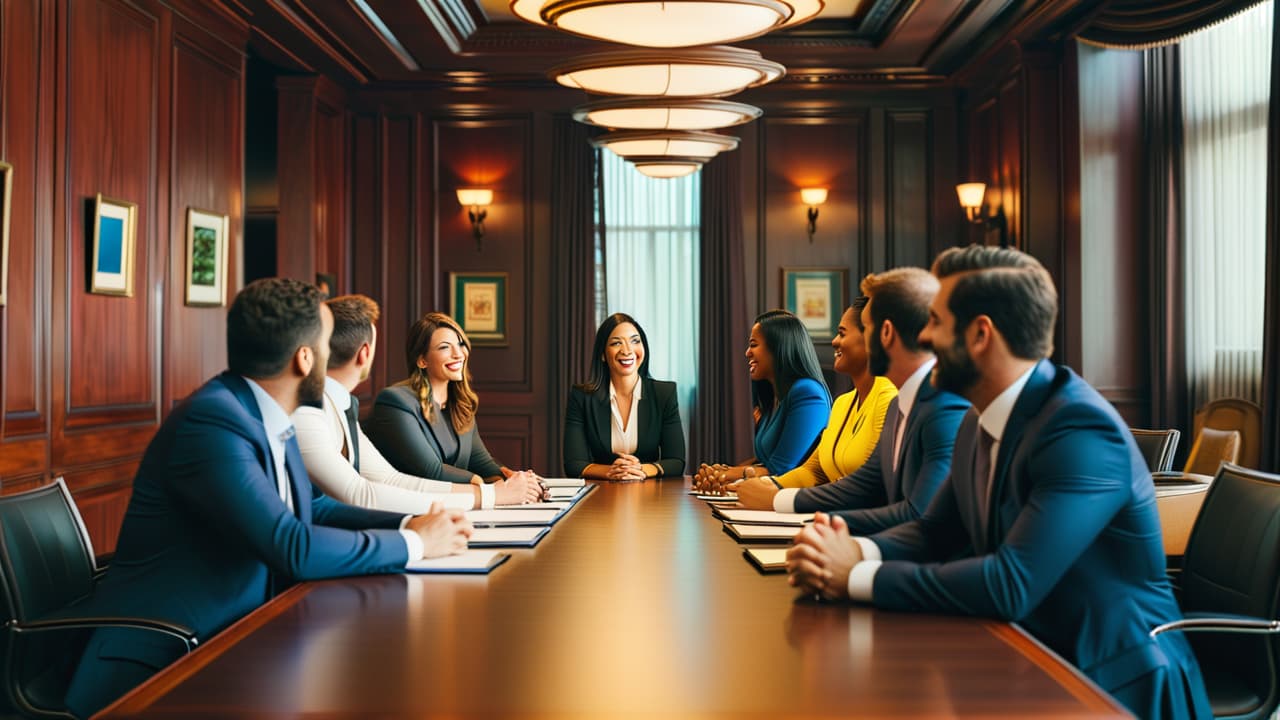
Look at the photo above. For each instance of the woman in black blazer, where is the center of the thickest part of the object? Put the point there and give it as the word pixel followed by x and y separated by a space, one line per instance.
pixel 621 424
pixel 425 425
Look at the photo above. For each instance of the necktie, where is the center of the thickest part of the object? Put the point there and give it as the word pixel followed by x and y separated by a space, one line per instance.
pixel 353 416
pixel 982 477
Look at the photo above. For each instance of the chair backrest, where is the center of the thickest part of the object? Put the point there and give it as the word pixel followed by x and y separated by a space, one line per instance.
pixel 1212 448
pixel 1158 447
pixel 46 559
pixel 1239 415
pixel 1232 566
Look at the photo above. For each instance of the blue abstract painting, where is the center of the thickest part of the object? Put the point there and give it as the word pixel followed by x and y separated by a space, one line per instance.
pixel 110 245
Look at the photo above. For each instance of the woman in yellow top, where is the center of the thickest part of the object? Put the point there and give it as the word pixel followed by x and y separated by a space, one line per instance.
pixel 856 417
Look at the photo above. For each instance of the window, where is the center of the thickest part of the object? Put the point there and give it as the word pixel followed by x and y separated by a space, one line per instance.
pixel 651 260
pixel 1225 73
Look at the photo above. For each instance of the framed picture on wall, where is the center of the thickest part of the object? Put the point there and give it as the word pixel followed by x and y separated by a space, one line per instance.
pixel 6 194
pixel 115 223
pixel 817 296
pixel 478 301
pixel 206 258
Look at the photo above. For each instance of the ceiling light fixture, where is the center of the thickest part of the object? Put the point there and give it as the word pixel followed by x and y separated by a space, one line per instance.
pixel 667 23
pixel 667 153
pixel 665 114
pixel 695 72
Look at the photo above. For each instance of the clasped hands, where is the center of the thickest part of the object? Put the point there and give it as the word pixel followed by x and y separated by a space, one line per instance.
pixel 821 557
pixel 518 487
pixel 627 467
pixel 714 479
pixel 443 532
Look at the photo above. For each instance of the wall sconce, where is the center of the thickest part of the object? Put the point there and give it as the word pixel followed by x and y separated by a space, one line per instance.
pixel 475 200
pixel 813 197
pixel 971 195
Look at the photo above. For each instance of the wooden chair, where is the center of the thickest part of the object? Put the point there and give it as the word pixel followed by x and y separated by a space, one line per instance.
pixel 1234 414
pixel 1212 448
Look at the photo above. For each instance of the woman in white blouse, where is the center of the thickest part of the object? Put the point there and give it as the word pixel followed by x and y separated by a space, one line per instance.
pixel 622 424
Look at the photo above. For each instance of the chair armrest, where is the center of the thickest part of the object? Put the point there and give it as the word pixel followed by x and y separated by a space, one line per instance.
pixel 174 630
pixel 1204 622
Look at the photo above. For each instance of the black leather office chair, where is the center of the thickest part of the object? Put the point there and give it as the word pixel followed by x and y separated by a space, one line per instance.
pixel 1158 447
pixel 46 566
pixel 1230 592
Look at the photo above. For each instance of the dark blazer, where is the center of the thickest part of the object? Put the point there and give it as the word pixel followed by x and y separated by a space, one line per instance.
pixel 876 496
pixel 1071 550
pixel 206 538
pixel 406 440
pixel 588 429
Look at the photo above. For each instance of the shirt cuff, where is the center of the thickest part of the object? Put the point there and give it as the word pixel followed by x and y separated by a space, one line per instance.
pixel 863 575
pixel 412 543
pixel 488 496
pixel 785 500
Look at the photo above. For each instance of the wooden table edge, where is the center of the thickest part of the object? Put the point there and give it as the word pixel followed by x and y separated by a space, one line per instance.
pixel 1067 676
pixel 141 697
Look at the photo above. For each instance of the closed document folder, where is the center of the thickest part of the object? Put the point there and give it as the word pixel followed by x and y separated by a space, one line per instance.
pixel 470 561
pixel 768 560
pixel 761 533
pixel 506 536
pixel 563 482
pixel 511 516
pixel 762 517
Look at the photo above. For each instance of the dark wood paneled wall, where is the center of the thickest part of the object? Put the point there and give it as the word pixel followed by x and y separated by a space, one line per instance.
pixel 139 101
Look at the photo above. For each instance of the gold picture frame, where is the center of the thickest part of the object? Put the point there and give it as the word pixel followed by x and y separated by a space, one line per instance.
pixel 115 225
pixel 207 238
pixel 478 302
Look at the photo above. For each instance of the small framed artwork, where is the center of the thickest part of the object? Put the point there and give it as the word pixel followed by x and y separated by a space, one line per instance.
pixel 206 258
pixel 6 194
pixel 115 223
pixel 817 296
pixel 478 301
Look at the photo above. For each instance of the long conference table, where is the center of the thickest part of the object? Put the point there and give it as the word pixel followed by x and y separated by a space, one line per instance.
pixel 636 604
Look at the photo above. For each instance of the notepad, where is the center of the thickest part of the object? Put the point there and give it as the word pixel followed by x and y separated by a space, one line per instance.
pixel 550 505
pixel 761 533
pixel 563 482
pixel 513 516
pixel 507 536
pixel 762 517
pixel 767 560
pixel 568 493
pixel 730 497
pixel 469 561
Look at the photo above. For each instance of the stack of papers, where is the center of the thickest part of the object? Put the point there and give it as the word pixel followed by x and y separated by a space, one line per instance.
pixel 762 517
pixel 507 536
pixel 470 561
pixel 513 516
pixel 767 560
pixel 563 482
pixel 761 533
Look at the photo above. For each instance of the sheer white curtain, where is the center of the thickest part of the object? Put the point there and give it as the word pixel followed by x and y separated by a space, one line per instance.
pixel 1225 86
pixel 651 265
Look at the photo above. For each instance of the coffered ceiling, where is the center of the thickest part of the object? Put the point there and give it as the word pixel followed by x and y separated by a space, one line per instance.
pixel 462 42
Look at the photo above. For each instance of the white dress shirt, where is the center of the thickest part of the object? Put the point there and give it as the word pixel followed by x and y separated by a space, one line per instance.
pixel 784 501
pixel 993 419
pixel 279 429
pixel 322 434
pixel 625 439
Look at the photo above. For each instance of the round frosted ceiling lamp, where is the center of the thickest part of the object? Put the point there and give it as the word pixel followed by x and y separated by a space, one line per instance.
pixel 694 72
pixel 667 167
pixel 667 23
pixel 665 114
pixel 632 144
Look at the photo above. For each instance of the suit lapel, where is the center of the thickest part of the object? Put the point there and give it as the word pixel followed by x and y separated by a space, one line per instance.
pixel 603 417
pixel 464 445
pixel 886 449
pixel 292 458
pixel 647 415
pixel 1032 397
pixel 923 396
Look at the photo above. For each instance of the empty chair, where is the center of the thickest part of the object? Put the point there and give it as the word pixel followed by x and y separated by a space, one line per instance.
pixel 1212 448
pixel 1230 589
pixel 1233 414
pixel 1158 447
pixel 46 566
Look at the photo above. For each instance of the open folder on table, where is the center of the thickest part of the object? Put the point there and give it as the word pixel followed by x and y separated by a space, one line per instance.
pixel 572 494
pixel 761 533
pixel 470 561
pixel 761 517
pixel 507 536
pixel 767 560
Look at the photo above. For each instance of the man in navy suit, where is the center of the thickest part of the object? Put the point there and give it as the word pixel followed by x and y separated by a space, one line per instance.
pixel 222 514
pixel 913 455
pixel 1047 488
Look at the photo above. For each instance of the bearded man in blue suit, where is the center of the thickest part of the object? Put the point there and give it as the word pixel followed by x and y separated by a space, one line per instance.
pixel 223 515
pixel 1047 488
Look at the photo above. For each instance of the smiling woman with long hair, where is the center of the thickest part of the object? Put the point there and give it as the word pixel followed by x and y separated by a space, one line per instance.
pixel 622 424
pixel 426 424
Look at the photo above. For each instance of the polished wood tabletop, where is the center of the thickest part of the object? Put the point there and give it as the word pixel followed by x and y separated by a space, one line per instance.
pixel 636 604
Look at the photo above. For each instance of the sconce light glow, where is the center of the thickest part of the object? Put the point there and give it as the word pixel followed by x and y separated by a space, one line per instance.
pixel 475 200
pixel 971 194
pixel 813 197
